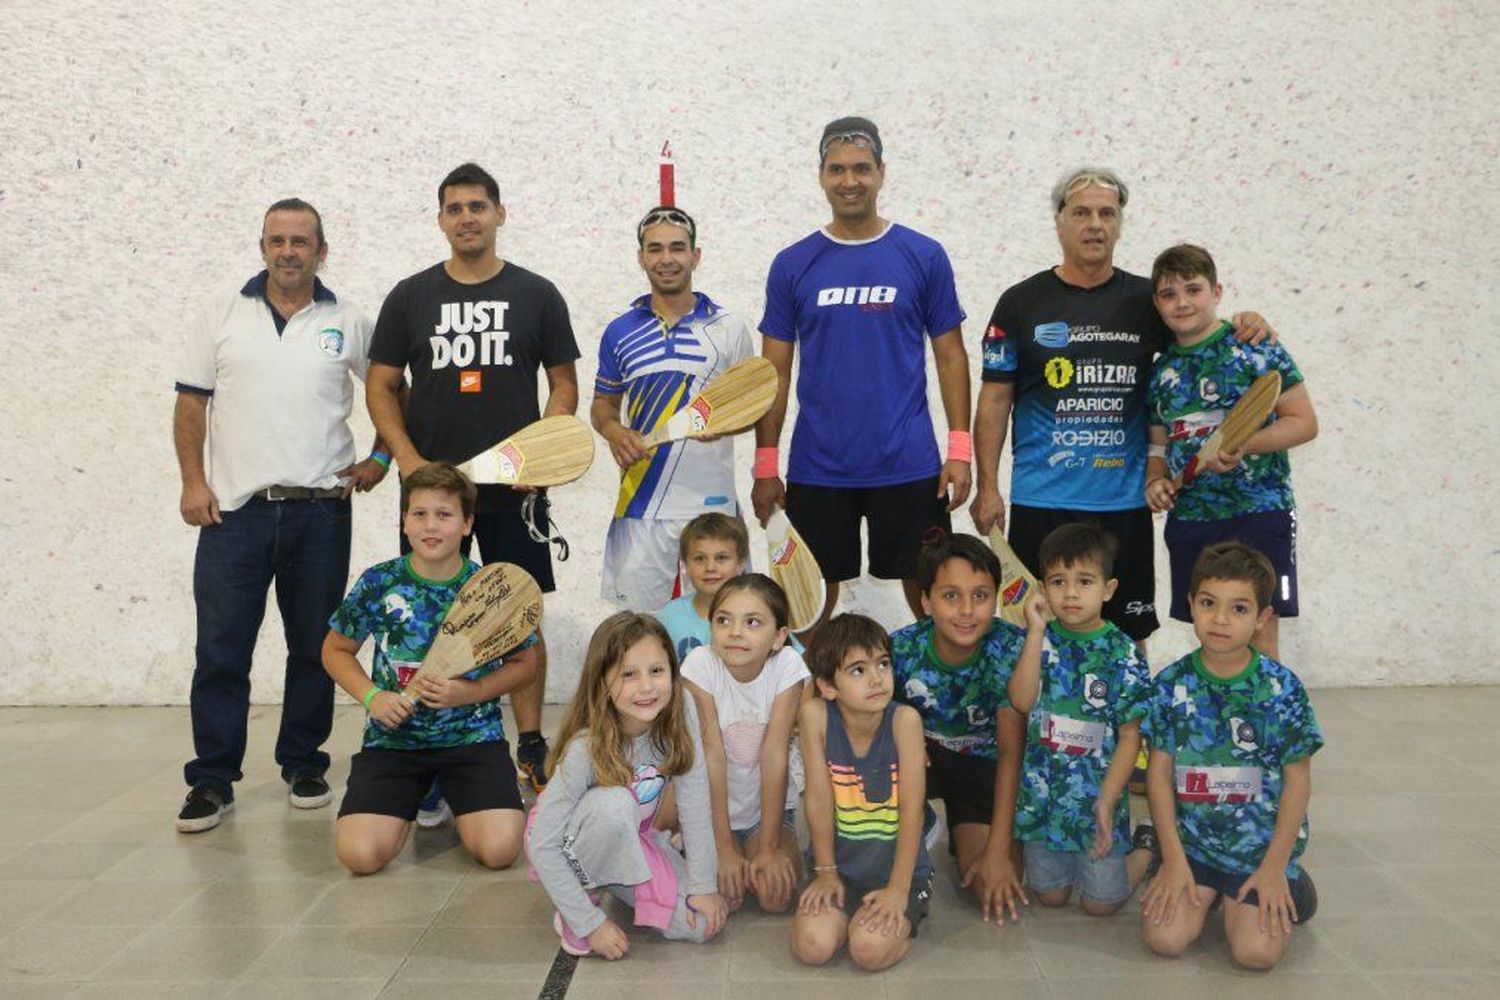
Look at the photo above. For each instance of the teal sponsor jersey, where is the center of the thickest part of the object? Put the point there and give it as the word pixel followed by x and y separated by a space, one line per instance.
pixel 401 611
pixel 1192 391
pixel 1091 684
pixel 957 701
pixel 1230 739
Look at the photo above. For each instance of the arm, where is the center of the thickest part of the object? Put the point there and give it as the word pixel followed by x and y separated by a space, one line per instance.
pixel 366 474
pixel 696 819
pixel 993 877
pixel 771 871
pixel 385 398
pixel 826 891
pixel 1121 764
pixel 387 707
pixel 1026 679
pixel 198 504
pixel 562 390
pixel 952 363
pixel 771 491
pixel 883 908
pixel 991 423
pixel 1160 493
pixel 627 446
pixel 1174 881
pixel 731 862
pixel 517 671
pixel 1277 911
pixel 1295 424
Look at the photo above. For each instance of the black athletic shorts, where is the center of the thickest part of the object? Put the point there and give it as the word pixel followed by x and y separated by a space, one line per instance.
pixel 1133 607
pixel 502 533
pixel 1272 533
pixel 828 519
pixel 475 776
pixel 966 784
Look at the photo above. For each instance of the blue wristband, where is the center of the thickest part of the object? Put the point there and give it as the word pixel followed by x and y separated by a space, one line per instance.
pixel 382 459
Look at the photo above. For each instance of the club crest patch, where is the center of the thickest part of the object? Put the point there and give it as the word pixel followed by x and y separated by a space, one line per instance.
pixel 331 341
pixel 1095 690
pixel 1244 734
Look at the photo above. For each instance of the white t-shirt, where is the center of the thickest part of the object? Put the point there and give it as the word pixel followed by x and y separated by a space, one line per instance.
pixel 281 403
pixel 744 712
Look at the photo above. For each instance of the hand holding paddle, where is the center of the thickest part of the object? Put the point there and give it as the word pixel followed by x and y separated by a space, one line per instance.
pixel 495 611
pixel 550 452
pixel 730 402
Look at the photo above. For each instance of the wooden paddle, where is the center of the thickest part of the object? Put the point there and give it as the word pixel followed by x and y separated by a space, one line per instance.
pixel 1016 581
pixel 550 452
pixel 730 402
pixel 1247 416
pixel 795 568
pixel 494 612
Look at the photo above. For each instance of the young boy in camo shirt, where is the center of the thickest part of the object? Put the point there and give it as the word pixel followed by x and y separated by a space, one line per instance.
pixel 1232 737
pixel 1083 685
pixel 952 667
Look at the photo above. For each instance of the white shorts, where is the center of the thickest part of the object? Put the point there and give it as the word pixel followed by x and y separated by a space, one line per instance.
pixel 640 562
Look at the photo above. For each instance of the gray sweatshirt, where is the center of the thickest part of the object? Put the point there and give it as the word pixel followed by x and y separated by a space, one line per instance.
pixel 575 776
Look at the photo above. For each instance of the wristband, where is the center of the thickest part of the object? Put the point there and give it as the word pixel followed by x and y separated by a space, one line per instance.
pixel 381 459
pixel 826 868
pixel 960 446
pixel 1156 451
pixel 767 463
pixel 370 696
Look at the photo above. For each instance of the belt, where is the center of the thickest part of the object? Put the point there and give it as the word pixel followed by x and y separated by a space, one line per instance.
pixel 279 493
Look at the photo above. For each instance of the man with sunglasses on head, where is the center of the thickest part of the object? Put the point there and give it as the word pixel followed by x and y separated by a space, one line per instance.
pixel 862 298
pixel 474 329
pixel 653 359
pixel 1068 355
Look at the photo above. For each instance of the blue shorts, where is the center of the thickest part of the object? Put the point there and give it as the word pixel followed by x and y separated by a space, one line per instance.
pixel 1273 533
pixel 788 820
pixel 1105 881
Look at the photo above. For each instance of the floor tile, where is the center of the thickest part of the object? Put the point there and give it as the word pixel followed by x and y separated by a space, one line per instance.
pixel 304 953
pixel 189 953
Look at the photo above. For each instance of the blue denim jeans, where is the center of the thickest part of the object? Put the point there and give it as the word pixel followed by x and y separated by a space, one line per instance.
pixel 303 547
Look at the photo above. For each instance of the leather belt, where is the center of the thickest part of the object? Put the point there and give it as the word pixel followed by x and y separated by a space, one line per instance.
pixel 279 493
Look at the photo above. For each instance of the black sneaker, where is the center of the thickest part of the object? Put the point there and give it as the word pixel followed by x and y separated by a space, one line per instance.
pixel 1304 897
pixel 1144 839
pixel 310 792
pixel 204 807
pixel 531 761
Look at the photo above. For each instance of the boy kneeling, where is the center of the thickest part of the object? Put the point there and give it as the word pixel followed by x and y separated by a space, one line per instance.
pixel 1232 736
pixel 449 729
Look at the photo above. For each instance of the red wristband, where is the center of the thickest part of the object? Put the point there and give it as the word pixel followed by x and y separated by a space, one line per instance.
pixel 960 446
pixel 767 463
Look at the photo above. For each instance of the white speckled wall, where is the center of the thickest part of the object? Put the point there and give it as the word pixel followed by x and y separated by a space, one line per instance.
pixel 1338 158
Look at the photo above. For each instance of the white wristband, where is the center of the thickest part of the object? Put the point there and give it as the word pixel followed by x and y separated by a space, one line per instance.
pixel 1156 451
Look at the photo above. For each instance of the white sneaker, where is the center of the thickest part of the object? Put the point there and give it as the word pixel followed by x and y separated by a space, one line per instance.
pixel 430 819
pixel 932 827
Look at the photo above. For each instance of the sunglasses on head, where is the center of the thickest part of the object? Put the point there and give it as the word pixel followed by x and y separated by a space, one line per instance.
pixel 671 216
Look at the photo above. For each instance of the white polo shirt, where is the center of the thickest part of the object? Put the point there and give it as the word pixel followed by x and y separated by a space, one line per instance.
pixel 280 402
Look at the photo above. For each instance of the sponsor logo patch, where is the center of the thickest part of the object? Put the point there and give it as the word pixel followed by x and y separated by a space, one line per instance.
pixel 1053 335
pixel 1218 784
pixel 1075 737
pixel 471 380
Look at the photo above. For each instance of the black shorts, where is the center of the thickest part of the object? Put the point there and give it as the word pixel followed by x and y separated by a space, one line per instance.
pixel 502 533
pixel 828 519
pixel 966 784
pixel 387 782
pixel 1272 533
pixel 917 901
pixel 1133 607
pixel 1228 884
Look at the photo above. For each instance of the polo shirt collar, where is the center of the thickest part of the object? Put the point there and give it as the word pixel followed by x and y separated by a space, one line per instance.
pixel 703 306
pixel 255 288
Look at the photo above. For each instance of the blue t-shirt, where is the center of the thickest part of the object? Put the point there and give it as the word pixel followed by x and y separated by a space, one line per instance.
pixel 402 611
pixel 1080 359
pixel 1192 391
pixel 861 313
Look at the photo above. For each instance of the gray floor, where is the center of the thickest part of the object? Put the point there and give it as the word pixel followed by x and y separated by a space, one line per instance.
pixel 100 897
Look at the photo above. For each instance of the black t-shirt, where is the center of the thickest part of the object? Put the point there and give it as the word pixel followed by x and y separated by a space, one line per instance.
pixel 473 351
pixel 1080 359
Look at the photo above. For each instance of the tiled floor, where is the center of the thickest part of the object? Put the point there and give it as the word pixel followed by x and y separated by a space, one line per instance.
pixel 99 897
